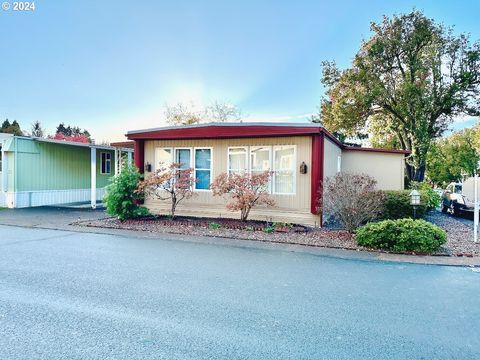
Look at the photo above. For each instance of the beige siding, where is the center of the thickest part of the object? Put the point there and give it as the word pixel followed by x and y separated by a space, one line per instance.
pixel 330 157
pixel 386 168
pixel 290 208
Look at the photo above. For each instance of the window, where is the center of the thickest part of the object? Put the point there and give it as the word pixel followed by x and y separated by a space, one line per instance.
pixel 284 169
pixel 106 163
pixel 260 159
pixel 184 158
pixel 237 160
pixel 163 158
pixel 203 168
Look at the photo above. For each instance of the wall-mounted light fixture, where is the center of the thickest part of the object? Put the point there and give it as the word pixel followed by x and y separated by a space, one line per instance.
pixel 148 167
pixel 303 168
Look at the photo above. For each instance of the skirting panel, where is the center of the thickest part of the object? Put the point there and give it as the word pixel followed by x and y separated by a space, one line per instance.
pixel 3 199
pixel 219 211
pixel 24 199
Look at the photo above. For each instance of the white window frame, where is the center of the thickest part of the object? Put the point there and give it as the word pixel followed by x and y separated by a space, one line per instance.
pixel 195 167
pixel 101 162
pixel 183 148
pixel 294 170
pixel 172 156
pixel 270 160
pixel 247 155
pixel 271 150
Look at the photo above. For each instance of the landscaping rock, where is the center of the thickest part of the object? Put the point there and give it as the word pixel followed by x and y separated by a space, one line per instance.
pixel 459 233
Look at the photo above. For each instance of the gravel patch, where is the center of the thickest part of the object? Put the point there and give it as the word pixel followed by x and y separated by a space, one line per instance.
pixel 459 233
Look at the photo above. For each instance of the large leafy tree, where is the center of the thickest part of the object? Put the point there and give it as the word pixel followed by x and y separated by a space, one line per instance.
pixel 454 156
pixel 189 114
pixel 410 79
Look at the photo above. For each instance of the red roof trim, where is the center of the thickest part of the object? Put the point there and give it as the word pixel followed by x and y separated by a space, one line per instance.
pixel 225 132
pixel 128 144
pixel 245 131
pixel 332 137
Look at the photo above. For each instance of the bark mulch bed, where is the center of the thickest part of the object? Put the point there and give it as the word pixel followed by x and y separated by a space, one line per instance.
pixel 459 231
pixel 234 229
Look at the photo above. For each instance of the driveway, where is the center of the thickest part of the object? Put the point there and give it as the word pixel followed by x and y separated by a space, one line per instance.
pixel 68 295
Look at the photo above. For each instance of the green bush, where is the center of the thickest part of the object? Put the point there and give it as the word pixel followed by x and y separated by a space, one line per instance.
pixel 397 205
pixel 401 235
pixel 121 198
pixel 428 196
pixel 214 226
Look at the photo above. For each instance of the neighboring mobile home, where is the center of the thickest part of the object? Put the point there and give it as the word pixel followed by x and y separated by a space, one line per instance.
pixel 300 156
pixel 37 171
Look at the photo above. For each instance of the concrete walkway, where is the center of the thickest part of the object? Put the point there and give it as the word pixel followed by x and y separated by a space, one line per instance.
pixel 61 218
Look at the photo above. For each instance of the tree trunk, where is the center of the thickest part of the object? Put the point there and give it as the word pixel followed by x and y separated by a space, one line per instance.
pixel 244 214
pixel 174 206
pixel 416 173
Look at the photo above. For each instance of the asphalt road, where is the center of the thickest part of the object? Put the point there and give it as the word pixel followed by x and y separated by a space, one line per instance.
pixel 66 295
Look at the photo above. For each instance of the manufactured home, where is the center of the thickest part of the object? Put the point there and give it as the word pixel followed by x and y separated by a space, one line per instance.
pixel 38 172
pixel 300 156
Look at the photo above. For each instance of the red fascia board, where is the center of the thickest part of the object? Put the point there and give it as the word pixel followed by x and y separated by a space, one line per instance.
pixel 128 144
pixel 333 138
pixel 229 132
pixel 379 150
pixel 223 132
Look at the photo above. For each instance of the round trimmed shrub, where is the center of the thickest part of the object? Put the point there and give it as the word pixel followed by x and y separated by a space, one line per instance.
pixel 402 235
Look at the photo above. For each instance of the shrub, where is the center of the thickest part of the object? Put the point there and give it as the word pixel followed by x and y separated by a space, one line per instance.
pixel 269 229
pixel 352 199
pixel 245 191
pixel 401 235
pixel 428 196
pixel 396 205
pixel 121 197
pixel 214 226
pixel 170 183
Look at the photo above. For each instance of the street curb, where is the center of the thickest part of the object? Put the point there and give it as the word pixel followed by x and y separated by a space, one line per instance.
pixel 343 254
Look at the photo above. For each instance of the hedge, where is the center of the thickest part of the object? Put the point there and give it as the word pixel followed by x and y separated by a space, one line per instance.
pixel 397 205
pixel 402 235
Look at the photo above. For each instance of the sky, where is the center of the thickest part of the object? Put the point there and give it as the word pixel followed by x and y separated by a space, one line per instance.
pixel 111 66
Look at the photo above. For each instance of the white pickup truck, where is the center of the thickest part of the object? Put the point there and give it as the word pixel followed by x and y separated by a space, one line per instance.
pixel 458 198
